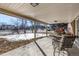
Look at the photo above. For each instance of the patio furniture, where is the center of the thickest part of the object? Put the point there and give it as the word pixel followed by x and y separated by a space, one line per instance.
pixel 62 43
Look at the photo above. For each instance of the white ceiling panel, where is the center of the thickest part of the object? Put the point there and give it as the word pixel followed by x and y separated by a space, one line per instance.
pixel 46 12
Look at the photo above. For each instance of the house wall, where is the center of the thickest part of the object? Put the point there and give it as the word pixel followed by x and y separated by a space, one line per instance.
pixel 76 29
pixel 73 26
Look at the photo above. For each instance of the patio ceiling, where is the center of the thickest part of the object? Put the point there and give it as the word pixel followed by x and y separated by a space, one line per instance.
pixel 45 12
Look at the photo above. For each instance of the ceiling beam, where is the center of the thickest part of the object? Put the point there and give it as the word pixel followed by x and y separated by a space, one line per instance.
pixel 14 14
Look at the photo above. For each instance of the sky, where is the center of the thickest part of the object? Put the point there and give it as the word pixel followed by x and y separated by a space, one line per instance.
pixel 5 19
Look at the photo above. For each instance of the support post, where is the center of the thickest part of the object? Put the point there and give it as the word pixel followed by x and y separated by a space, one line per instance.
pixel 46 31
pixel 34 29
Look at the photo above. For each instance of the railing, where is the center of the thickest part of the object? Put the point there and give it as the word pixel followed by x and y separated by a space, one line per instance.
pixel 62 43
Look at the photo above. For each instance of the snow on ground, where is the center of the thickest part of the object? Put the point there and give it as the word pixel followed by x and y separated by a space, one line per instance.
pixel 3 32
pixel 18 37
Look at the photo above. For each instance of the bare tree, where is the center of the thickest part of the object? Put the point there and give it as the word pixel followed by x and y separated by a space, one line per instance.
pixel 16 23
pixel 23 25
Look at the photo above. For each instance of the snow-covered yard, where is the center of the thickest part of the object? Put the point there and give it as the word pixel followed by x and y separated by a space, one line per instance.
pixel 18 37
pixel 13 36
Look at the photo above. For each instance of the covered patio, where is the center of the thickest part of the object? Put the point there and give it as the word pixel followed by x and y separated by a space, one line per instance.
pixel 29 29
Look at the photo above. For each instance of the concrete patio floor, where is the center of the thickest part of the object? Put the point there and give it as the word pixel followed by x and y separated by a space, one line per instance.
pixel 33 50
